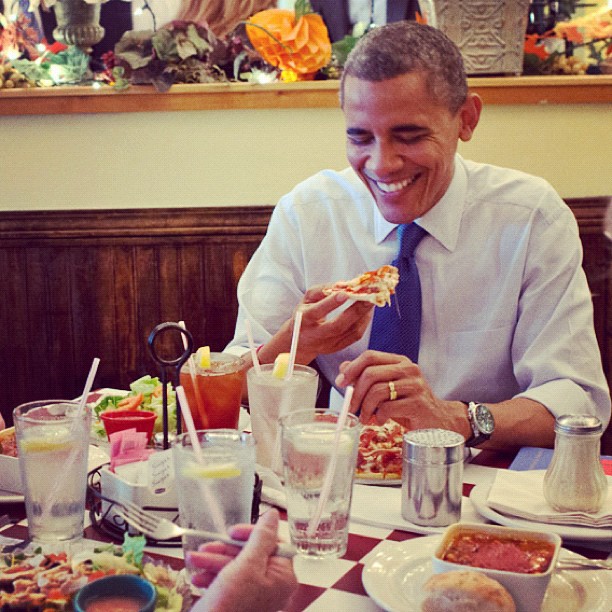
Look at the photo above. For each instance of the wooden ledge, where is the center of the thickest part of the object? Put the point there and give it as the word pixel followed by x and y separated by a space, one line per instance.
pixel 587 89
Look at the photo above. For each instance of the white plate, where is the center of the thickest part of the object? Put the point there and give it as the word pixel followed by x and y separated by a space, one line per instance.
pixel 379 482
pixel 480 493
pixel 394 578
pixel 97 457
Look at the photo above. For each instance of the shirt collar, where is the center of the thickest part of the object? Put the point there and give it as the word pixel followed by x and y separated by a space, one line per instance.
pixel 443 220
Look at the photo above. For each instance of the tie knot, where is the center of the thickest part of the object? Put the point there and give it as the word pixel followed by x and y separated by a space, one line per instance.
pixel 410 235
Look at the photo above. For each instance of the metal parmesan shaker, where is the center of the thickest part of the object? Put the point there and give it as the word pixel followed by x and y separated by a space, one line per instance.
pixel 432 477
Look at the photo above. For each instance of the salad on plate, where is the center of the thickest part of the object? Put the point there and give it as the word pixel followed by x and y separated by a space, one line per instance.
pixel 144 394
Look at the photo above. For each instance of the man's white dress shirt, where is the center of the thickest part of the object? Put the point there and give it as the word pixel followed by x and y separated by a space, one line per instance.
pixel 506 307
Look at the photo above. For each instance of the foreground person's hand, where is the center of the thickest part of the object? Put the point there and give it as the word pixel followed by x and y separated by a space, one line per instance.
pixel 415 405
pixel 246 579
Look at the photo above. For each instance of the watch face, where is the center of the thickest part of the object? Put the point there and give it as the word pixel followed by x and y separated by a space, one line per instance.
pixel 484 418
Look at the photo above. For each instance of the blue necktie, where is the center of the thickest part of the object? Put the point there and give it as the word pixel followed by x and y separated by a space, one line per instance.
pixel 397 328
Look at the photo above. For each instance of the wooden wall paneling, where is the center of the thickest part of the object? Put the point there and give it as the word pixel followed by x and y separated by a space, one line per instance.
pixel 597 246
pixel 124 363
pixel 80 284
pixel 14 337
pixel 193 293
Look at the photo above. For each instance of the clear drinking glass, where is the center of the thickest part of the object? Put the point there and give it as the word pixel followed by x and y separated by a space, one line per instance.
pixel 271 398
pixel 218 492
pixel 307 444
pixel 52 448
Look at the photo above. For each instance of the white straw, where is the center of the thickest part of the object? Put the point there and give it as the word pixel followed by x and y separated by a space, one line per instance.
pixel 294 342
pixel 313 524
pixel 192 375
pixel 87 388
pixel 48 504
pixel 254 357
pixel 209 500
pixel 191 430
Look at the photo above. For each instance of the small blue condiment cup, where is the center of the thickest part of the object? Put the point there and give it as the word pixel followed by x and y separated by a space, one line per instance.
pixel 112 586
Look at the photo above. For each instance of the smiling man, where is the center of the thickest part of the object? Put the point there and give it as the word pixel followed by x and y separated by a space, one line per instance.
pixel 491 332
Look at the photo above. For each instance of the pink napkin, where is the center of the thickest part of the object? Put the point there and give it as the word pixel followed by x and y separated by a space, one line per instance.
pixel 128 446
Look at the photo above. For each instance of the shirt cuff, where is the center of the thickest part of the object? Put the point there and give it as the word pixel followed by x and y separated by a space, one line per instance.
pixel 565 397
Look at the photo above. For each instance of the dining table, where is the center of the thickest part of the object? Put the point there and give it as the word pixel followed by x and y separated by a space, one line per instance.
pixel 376 534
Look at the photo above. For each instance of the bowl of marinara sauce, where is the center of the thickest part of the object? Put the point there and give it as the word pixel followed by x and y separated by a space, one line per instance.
pixel 522 560
pixel 118 593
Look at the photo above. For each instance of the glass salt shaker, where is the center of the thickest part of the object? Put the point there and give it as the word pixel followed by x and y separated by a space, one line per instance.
pixel 575 480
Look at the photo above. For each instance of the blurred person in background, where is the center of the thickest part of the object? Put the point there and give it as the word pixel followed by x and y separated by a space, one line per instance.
pixel 221 16
pixel 341 16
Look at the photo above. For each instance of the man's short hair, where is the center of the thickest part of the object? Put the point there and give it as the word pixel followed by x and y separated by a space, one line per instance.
pixel 404 47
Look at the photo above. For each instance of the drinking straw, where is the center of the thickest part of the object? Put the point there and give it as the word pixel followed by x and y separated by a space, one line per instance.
pixel 73 454
pixel 196 389
pixel 210 501
pixel 313 524
pixel 294 342
pixel 254 357
pixel 87 388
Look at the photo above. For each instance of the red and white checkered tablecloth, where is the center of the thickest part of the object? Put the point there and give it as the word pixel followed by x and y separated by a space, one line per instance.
pixel 336 584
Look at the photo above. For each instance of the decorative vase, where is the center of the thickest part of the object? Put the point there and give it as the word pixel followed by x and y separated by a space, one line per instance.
pixel 489 33
pixel 78 24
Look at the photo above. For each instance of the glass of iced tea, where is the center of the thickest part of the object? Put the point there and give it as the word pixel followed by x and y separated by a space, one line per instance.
pixel 215 399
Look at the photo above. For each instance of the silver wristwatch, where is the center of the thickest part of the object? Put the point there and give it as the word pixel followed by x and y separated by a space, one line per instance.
pixel 482 423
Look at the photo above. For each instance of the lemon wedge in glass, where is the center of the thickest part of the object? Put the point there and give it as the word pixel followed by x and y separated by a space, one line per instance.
pixel 202 357
pixel 281 365
pixel 219 470
pixel 40 445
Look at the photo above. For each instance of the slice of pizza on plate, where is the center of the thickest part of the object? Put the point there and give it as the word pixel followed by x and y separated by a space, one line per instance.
pixel 380 452
pixel 375 286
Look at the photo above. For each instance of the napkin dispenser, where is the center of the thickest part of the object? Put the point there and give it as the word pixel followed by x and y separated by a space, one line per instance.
pixel 131 483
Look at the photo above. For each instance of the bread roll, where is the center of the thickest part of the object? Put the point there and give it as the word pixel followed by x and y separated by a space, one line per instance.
pixel 465 592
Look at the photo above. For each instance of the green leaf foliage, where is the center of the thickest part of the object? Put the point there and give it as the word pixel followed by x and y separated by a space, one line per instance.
pixel 301 8
pixel 342 48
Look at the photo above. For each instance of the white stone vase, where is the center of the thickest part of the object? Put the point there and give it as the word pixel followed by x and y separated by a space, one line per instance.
pixel 489 33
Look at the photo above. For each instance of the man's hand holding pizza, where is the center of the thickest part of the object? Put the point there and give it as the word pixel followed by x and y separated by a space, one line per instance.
pixel 319 332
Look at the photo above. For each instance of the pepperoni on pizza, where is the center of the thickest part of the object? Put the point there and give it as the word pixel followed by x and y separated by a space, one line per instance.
pixel 380 452
pixel 375 286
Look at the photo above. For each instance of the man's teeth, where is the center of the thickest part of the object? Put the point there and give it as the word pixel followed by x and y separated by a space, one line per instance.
pixel 391 187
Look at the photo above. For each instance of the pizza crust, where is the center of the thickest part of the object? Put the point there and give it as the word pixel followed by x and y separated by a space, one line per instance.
pixel 375 286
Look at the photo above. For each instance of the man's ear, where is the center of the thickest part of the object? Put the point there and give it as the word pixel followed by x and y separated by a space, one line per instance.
pixel 470 115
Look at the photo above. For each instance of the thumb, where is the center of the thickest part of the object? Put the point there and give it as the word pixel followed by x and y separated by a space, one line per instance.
pixel 264 538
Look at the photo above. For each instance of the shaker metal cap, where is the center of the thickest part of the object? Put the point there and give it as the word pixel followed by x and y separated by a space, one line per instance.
pixel 433 446
pixel 578 424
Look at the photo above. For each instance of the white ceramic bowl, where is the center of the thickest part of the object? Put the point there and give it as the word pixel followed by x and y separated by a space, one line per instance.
pixel 527 590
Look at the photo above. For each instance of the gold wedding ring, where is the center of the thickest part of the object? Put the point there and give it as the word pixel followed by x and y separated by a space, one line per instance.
pixel 392 391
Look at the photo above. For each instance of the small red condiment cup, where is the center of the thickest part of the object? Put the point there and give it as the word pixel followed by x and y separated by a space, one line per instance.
pixel 527 590
pixel 118 420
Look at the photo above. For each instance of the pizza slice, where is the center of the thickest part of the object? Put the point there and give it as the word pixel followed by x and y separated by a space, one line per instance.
pixel 375 286
pixel 380 452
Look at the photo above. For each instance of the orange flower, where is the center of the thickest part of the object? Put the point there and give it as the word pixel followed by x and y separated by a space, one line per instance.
pixel 301 46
